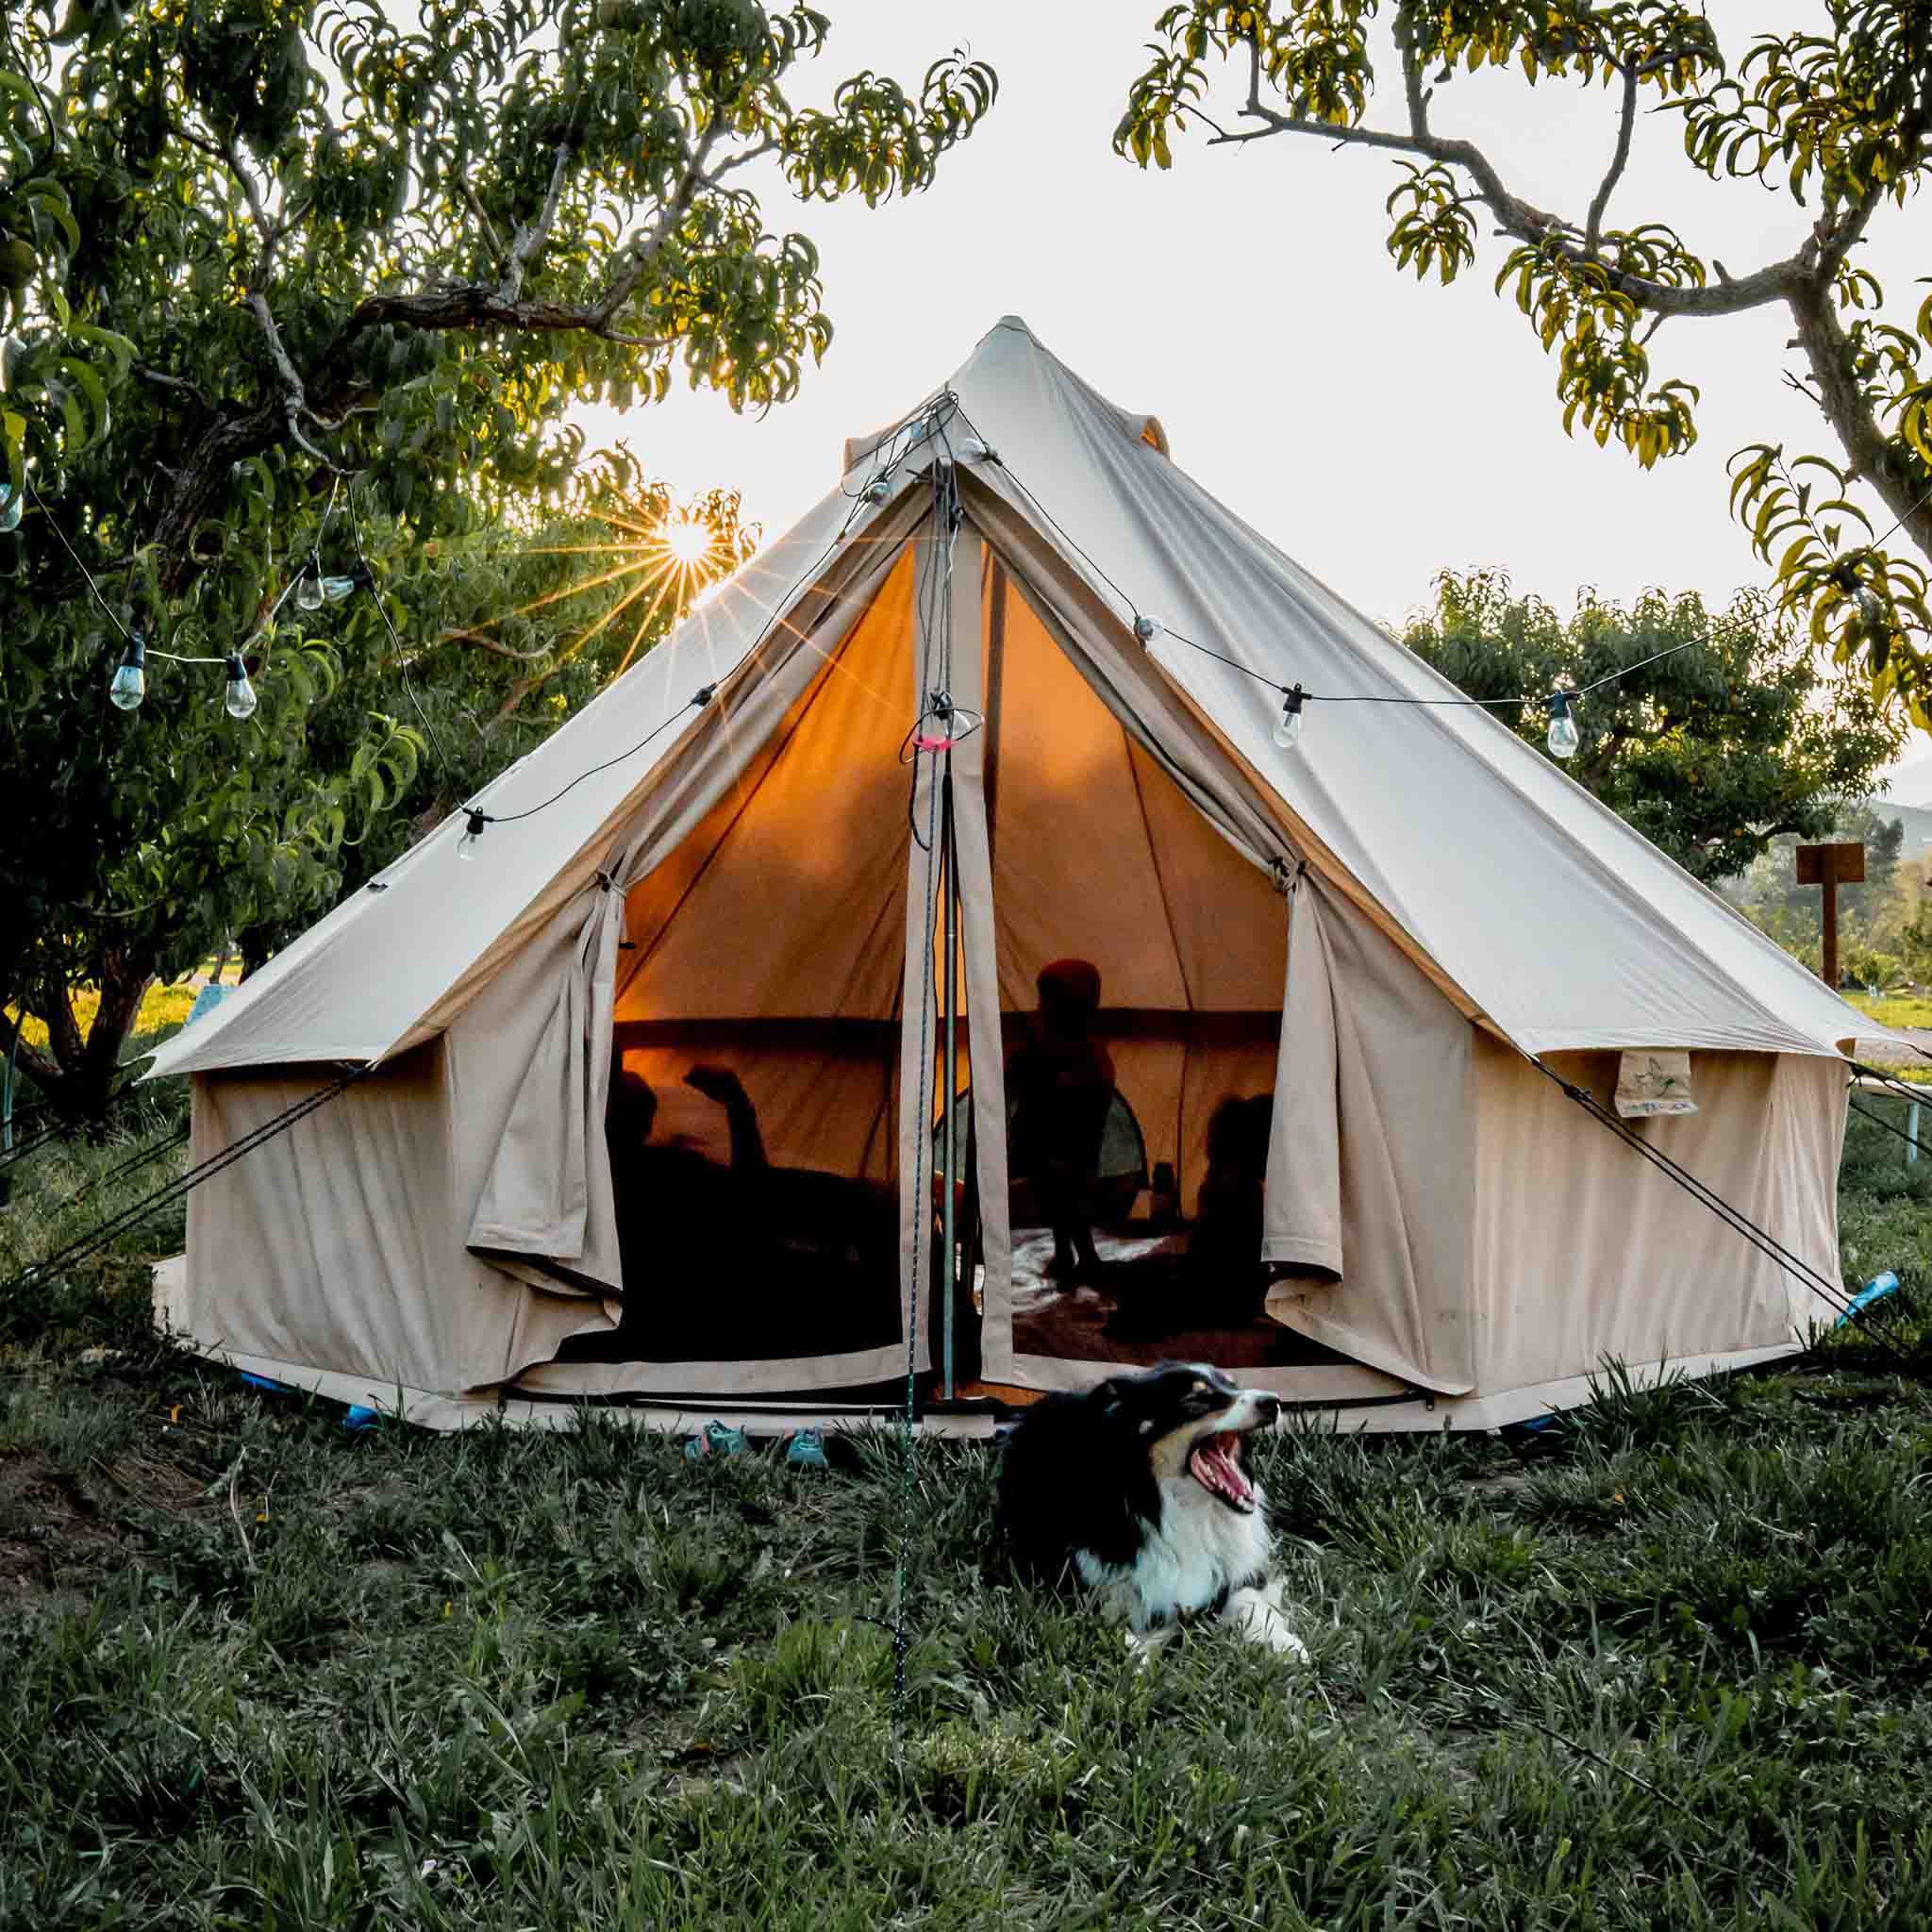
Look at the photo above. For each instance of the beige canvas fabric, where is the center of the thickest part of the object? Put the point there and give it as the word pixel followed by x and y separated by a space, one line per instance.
pixel 337 1244
pixel 745 888
pixel 1665 1277
pixel 1391 1140
pixel 1077 504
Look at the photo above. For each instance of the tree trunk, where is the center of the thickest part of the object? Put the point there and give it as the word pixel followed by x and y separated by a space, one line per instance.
pixel 78 1076
pixel 257 948
pixel 1842 396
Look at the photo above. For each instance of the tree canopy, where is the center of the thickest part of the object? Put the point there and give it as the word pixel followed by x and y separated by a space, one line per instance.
pixel 1837 120
pixel 1729 739
pixel 291 284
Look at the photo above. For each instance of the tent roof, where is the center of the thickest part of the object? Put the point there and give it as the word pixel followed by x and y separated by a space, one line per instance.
pixel 1562 924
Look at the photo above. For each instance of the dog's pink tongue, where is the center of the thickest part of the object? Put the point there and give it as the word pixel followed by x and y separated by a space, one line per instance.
pixel 1219 1471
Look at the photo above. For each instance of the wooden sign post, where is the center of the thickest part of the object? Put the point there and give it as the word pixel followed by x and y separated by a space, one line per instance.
pixel 1831 866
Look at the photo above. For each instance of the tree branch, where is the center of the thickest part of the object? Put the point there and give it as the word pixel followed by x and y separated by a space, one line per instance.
pixel 1592 231
pixel 164 380
pixel 1840 397
pixel 1535 226
pixel 532 235
pixel 1412 87
pixel 296 397
pixel 674 210
pixel 489 226
pixel 1834 242
pixel 467 637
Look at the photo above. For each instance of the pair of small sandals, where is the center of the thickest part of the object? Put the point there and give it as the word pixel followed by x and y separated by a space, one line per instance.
pixel 803 1448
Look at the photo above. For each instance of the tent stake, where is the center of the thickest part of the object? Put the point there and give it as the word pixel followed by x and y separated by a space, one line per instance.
pixel 949 1266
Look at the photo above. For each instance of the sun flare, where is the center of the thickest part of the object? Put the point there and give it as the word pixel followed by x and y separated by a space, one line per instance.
pixel 687 539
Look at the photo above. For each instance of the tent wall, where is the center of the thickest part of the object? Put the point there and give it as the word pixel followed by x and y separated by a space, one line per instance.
pixel 1371 1172
pixel 338 1244
pixel 1585 1252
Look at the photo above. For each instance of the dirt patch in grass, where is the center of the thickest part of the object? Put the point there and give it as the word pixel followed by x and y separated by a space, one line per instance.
pixel 56 1545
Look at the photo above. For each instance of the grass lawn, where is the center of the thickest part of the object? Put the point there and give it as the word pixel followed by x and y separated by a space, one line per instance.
pixel 1667 1663
pixel 1889 1009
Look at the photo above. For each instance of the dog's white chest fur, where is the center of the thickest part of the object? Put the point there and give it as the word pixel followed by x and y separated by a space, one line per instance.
pixel 1199 1554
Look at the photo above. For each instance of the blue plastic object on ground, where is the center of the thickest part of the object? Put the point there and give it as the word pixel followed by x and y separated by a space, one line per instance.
pixel 256 1381
pixel 1874 1291
pixel 806 1450
pixel 718 1439
pixel 206 1001
pixel 361 1416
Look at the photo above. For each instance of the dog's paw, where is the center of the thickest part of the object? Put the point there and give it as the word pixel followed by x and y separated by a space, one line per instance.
pixel 1261 1620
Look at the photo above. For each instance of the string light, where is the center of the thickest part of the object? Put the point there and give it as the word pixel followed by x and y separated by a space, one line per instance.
pixel 129 683
pixel 476 820
pixel 1148 628
pixel 240 700
pixel 308 586
pixel 1288 727
pixel 9 506
pixel 1563 737
pixel 1870 607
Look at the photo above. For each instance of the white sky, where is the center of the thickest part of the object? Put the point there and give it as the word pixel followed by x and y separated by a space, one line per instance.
pixel 1378 430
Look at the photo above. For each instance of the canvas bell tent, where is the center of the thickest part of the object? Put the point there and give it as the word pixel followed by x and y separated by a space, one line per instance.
pixel 651 1060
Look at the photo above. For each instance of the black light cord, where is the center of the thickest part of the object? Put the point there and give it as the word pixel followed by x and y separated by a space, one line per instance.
pixel 478 818
pixel 1320 697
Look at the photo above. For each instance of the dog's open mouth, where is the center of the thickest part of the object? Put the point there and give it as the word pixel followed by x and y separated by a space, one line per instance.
pixel 1215 1464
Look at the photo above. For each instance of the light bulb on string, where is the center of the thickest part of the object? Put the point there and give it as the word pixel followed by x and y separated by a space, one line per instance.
pixel 473 836
pixel 309 589
pixel 876 490
pixel 1148 628
pixel 1564 737
pixel 339 589
pixel 1288 727
pixel 240 700
pixel 129 685
pixel 1870 607
pixel 9 506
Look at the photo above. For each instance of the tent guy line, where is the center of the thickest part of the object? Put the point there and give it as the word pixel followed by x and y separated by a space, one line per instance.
pixel 1909 1139
pixel 1765 1242
pixel 96 1238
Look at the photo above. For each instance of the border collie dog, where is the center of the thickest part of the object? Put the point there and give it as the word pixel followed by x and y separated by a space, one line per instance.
pixel 1142 1488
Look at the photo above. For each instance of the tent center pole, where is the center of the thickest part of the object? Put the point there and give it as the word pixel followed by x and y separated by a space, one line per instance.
pixel 949 1262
